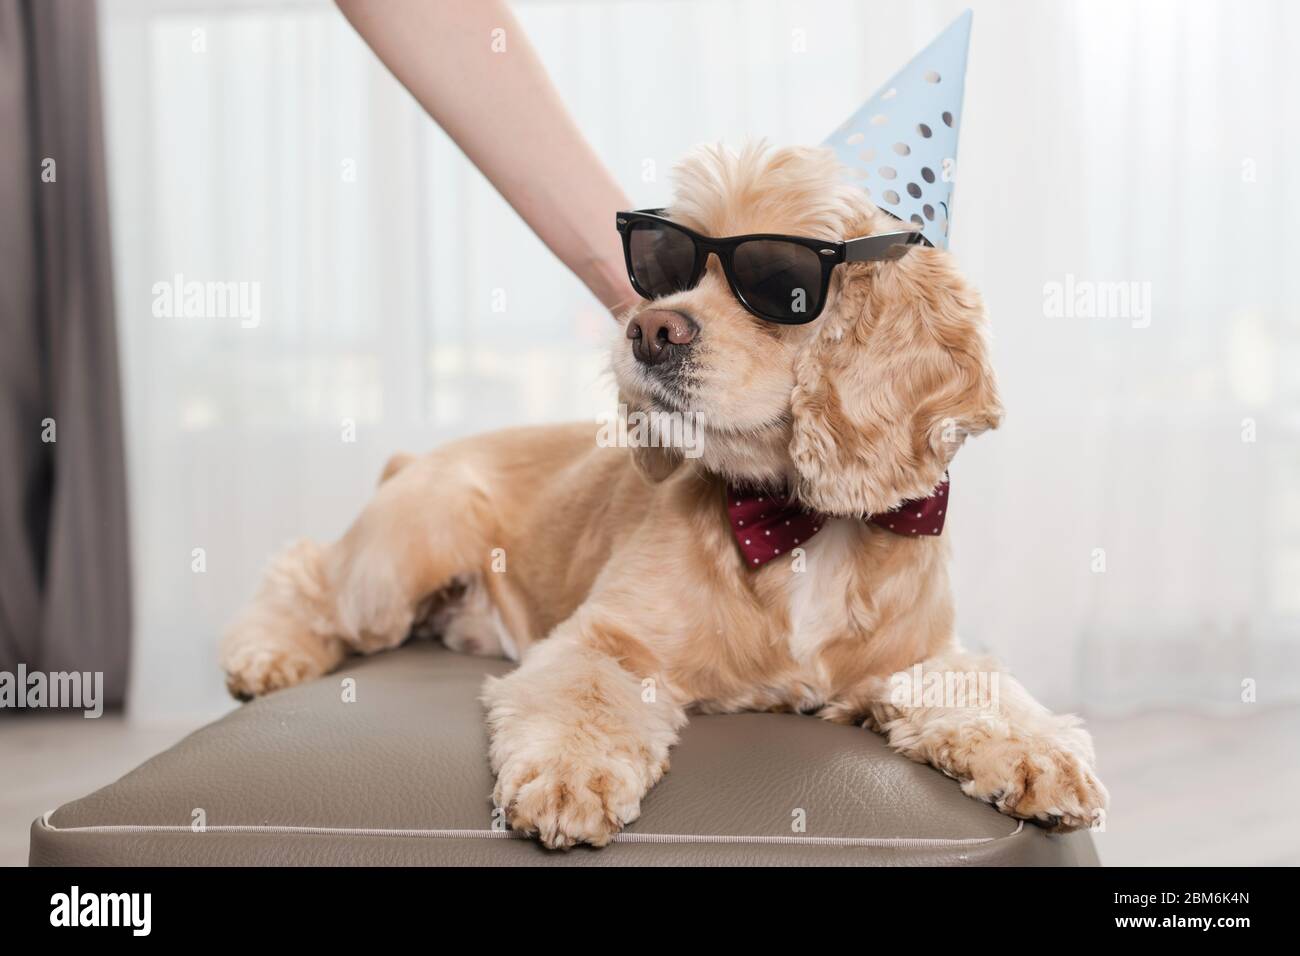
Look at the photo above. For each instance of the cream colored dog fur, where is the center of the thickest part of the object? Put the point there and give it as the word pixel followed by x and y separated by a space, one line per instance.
pixel 623 593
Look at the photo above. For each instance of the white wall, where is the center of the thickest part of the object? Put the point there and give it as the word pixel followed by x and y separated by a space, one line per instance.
pixel 1143 141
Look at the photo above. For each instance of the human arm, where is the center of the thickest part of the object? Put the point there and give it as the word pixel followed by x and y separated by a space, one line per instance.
pixel 492 95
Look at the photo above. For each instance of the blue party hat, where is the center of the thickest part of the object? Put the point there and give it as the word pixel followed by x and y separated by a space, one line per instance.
pixel 902 143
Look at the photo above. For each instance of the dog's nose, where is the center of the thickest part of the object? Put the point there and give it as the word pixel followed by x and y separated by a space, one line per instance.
pixel 660 334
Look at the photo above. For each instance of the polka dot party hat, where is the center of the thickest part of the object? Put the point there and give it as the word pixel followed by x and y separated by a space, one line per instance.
pixel 902 143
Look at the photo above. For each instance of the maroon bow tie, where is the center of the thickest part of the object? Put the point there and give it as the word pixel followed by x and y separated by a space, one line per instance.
pixel 767 527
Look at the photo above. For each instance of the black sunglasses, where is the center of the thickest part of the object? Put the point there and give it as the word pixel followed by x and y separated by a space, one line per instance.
pixel 780 279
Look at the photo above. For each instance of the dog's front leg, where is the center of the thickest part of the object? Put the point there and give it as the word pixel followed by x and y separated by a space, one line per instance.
pixel 580 732
pixel 979 725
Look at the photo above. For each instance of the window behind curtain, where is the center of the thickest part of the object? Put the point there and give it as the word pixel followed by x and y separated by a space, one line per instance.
pixel 403 300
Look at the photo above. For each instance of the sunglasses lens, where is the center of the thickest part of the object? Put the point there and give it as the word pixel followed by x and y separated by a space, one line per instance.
pixel 781 281
pixel 662 258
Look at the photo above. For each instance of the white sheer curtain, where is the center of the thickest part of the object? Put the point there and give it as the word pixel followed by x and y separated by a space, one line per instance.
pixel 402 302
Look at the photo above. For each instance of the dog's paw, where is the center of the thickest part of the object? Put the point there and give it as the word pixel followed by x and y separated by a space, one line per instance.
pixel 1047 779
pixel 253 670
pixel 571 800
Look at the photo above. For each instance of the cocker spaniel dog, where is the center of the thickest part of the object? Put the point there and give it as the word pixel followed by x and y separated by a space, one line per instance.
pixel 790 558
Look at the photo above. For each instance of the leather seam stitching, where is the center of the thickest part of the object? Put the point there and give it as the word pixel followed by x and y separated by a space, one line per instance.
pixel 488 834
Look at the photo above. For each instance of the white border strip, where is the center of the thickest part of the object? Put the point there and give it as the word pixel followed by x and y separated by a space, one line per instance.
pixel 514 835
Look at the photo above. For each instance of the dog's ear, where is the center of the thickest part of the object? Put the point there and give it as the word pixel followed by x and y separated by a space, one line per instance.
pixel 653 462
pixel 891 386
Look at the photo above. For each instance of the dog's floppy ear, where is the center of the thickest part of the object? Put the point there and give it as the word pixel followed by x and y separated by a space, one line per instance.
pixel 655 463
pixel 891 386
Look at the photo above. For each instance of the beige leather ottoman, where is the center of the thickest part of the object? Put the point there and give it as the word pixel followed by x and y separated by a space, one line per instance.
pixel 400 777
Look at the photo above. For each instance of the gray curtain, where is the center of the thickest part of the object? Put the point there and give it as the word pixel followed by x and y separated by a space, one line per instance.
pixel 64 584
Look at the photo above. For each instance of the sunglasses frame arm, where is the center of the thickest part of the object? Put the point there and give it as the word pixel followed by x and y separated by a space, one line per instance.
pixel 884 246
